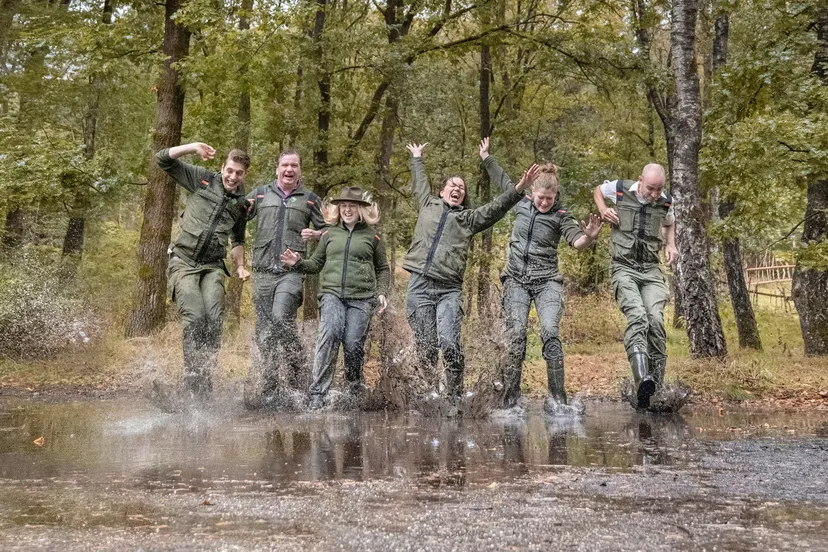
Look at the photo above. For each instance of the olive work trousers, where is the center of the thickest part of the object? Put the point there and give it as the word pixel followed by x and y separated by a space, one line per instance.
pixel 435 314
pixel 276 300
pixel 198 292
pixel 344 322
pixel 641 295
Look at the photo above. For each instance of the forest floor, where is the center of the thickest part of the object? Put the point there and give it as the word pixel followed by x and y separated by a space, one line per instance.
pixel 592 332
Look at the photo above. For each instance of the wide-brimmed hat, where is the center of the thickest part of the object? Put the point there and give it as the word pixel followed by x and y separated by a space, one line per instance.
pixel 354 194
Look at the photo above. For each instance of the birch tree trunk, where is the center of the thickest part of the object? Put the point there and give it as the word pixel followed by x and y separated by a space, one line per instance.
pixel 704 327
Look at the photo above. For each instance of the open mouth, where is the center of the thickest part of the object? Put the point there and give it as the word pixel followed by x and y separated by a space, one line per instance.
pixel 455 196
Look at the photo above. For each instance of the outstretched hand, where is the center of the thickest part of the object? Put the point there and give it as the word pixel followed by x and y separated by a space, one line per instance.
pixel 290 258
pixel 416 149
pixel 528 178
pixel 593 228
pixel 671 253
pixel 383 304
pixel 484 148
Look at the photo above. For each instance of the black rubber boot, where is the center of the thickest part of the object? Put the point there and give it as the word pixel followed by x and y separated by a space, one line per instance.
pixel 555 385
pixel 195 360
pixel 511 382
pixel 455 364
pixel 644 384
pixel 316 402
pixel 658 364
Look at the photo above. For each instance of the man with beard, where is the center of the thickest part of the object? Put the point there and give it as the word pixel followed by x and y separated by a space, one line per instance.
pixel 642 221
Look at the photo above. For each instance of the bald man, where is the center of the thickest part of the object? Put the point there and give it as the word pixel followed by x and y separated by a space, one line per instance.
pixel 642 221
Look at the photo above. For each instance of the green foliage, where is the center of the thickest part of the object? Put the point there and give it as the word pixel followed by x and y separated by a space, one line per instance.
pixel 568 86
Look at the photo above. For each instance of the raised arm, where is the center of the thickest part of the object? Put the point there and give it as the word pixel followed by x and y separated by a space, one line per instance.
pixel 496 173
pixel 487 215
pixel 586 233
pixel 186 175
pixel 420 188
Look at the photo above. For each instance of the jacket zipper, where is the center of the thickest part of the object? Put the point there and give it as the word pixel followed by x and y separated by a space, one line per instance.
pixel 280 231
pixel 345 262
pixel 212 229
pixel 437 237
pixel 528 241
pixel 642 222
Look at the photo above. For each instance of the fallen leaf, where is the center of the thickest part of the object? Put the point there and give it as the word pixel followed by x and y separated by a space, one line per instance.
pixel 206 503
pixel 40 441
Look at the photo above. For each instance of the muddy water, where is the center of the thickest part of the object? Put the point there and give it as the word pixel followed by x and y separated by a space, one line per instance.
pixel 119 475
pixel 129 444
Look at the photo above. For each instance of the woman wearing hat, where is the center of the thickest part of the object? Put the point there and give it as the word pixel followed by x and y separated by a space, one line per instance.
pixel 354 278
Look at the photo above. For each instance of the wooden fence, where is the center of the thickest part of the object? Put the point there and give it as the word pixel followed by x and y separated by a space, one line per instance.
pixel 768 275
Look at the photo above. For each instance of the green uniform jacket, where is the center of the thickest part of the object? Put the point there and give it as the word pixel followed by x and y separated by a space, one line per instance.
pixel 211 215
pixel 533 246
pixel 635 242
pixel 440 244
pixel 352 263
pixel 280 224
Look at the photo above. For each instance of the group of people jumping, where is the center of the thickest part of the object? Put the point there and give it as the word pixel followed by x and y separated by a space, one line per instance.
pixel 354 273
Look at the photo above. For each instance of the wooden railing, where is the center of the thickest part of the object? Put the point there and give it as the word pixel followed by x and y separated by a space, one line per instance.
pixel 768 274
pixel 765 275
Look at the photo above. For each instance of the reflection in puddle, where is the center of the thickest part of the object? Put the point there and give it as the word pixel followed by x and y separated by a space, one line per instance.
pixel 124 443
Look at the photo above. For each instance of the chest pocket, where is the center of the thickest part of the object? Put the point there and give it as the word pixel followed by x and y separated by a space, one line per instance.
pixel 655 218
pixel 627 215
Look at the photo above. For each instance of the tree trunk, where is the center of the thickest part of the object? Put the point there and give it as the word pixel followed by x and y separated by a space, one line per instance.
pixel 8 9
pixel 232 301
pixel 704 327
pixel 76 230
pixel 310 309
pixel 385 193
pixel 810 279
pixel 731 247
pixel 484 186
pixel 149 302
pixel 810 283
pixel 15 228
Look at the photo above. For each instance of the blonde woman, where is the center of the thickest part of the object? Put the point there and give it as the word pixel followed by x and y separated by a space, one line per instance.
pixel 354 278
pixel 532 274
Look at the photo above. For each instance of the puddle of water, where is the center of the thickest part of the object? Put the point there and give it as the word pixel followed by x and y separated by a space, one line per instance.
pixel 123 443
